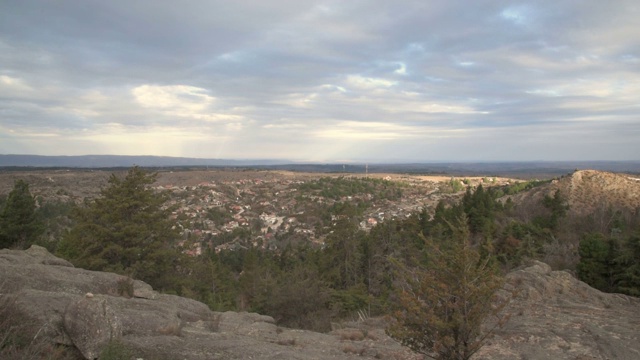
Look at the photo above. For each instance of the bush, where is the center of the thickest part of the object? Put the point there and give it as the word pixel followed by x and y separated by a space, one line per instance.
pixel 116 350
pixel 125 287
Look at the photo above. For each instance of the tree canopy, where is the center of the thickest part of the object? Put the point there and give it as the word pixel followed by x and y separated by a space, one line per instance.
pixel 19 225
pixel 126 230
pixel 445 297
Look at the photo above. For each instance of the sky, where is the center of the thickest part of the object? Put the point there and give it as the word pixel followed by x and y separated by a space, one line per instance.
pixel 322 81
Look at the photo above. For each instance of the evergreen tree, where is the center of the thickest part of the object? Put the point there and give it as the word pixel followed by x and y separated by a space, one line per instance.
pixel 627 278
pixel 558 207
pixel 343 254
pixel 596 261
pixel 299 298
pixel 19 225
pixel 126 230
pixel 445 297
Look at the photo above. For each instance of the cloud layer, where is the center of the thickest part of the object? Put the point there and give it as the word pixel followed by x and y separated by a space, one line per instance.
pixel 322 80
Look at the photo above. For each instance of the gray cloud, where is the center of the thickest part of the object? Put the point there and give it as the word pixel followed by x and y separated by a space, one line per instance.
pixel 322 80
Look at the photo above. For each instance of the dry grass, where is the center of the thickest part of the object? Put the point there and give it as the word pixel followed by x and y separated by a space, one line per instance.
pixel 287 342
pixel 350 334
pixel 20 336
pixel 124 287
pixel 588 189
pixel 370 335
pixel 352 349
pixel 172 329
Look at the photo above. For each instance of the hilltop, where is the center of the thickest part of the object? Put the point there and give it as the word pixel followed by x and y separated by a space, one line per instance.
pixel 589 190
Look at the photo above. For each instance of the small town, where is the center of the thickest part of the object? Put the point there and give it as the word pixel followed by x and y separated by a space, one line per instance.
pixel 271 212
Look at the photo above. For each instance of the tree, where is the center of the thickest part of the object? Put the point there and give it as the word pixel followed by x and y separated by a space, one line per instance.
pixel 299 299
pixel 19 225
pixel 596 266
pixel 343 264
pixel 628 278
pixel 558 207
pixel 126 230
pixel 445 297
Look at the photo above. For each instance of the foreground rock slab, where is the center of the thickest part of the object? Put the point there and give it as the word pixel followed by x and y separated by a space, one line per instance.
pixel 552 315
pixel 87 309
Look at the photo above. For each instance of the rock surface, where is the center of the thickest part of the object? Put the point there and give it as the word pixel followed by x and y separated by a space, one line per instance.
pixel 552 316
pixel 555 316
pixel 87 309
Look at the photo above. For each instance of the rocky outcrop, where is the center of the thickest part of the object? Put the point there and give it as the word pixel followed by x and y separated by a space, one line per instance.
pixel 88 309
pixel 588 191
pixel 555 316
pixel 552 315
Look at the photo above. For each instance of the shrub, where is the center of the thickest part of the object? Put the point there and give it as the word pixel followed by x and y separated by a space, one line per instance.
pixel 125 287
pixel 116 350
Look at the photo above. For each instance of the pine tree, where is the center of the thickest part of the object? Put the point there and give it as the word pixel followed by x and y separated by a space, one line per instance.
pixel 627 277
pixel 445 298
pixel 19 225
pixel 558 207
pixel 126 230
pixel 596 261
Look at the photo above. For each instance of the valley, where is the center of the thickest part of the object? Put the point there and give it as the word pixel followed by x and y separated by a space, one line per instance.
pixel 228 209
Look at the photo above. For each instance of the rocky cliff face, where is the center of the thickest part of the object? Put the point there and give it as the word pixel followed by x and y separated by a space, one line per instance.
pixel 552 316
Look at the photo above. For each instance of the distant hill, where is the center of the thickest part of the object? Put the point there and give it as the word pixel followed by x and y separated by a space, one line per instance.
pixel 588 190
pixel 523 170
pixel 115 161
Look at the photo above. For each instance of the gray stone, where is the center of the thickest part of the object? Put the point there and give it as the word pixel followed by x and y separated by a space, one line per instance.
pixel 91 323
pixel 552 316
pixel 83 308
pixel 555 316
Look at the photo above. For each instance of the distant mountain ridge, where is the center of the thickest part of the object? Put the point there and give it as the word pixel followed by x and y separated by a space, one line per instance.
pixel 112 161
pixel 523 169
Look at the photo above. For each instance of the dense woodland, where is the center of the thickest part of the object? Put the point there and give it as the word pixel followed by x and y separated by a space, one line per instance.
pixel 127 230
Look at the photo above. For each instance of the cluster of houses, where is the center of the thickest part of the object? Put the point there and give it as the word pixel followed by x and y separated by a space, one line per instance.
pixel 227 215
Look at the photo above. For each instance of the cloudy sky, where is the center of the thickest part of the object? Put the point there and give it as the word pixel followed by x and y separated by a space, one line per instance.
pixel 347 80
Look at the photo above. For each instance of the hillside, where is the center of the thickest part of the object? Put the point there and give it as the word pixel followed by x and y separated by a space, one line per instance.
pixel 227 208
pixel 589 190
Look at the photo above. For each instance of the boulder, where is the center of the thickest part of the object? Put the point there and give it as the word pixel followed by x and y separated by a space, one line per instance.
pixel 91 323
